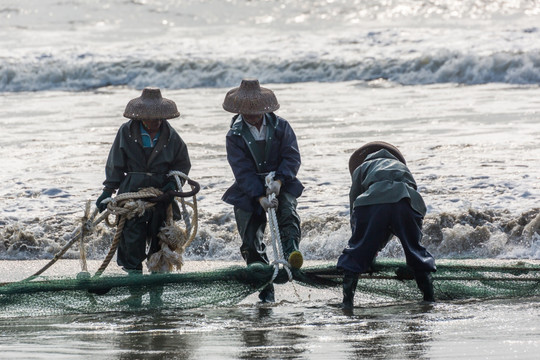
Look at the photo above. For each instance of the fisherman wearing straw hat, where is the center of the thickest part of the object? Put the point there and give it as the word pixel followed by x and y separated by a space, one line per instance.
pixel 384 201
pixel 260 142
pixel 145 149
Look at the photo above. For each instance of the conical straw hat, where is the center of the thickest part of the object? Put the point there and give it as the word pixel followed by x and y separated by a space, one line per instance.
pixel 358 157
pixel 250 99
pixel 151 106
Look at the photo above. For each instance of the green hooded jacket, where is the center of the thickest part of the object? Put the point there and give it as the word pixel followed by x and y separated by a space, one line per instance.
pixel 130 168
pixel 383 179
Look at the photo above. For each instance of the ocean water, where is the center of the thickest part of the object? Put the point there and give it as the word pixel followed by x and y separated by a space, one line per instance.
pixel 453 84
pixel 304 323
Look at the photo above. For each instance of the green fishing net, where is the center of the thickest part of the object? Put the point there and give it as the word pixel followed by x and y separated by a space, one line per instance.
pixel 117 293
pixel 390 280
pixel 454 280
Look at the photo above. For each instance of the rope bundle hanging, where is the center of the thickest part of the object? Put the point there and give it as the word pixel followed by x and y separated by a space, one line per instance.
pixel 172 238
pixel 126 206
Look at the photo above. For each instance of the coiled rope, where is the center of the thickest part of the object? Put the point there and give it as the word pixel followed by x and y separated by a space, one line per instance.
pixel 126 206
pixel 277 246
pixel 87 226
pixel 173 239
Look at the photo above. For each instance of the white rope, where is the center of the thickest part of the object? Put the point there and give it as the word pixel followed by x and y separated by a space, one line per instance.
pixel 274 235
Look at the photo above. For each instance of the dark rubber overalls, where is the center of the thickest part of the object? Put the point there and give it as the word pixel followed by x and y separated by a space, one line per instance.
pixel 384 202
pixel 131 167
pixel 250 161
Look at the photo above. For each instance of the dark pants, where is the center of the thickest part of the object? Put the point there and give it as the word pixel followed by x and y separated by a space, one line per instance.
pixel 251 227
pixel 372 225
pixel 137 232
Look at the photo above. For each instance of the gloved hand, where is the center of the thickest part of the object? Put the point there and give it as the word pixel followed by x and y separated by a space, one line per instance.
pixel 99 202
pixel 171 185
pixel 273 188
pixel 267 203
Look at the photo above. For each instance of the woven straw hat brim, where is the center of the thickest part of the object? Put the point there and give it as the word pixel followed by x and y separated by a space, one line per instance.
pixel 359 156
pixel 151 106
pixel 250 99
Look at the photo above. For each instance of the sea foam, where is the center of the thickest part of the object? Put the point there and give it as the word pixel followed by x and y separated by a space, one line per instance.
pixel 59 73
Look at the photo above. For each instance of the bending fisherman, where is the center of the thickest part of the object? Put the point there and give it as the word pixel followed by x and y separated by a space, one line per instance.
pixel 257 143
pixel 384 201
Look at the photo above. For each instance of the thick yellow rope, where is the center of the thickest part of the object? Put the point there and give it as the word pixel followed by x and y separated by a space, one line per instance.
pixel 84 231
pixel 114 246
pixel 124 206
pixel 174 240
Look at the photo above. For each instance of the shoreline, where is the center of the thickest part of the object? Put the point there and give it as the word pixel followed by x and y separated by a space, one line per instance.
pixel 63 267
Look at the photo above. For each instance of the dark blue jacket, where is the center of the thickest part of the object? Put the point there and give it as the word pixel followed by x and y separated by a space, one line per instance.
pixel 283 157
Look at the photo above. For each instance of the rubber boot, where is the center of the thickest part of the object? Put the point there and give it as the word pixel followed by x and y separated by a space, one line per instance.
pixel 135 297
pixel 267 294
pixel 405 273
pixel 425 284
pixel 136 292
pixel 155 296
pixel 350 281
pixel 156 292
pixel 296 259
pixel 372 267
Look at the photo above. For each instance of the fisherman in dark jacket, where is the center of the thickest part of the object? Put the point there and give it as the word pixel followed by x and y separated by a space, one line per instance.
pixel 145 149
pixel 259 142
pixel 384 202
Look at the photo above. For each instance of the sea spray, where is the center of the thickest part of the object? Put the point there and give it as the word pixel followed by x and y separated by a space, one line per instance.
pixel 472 234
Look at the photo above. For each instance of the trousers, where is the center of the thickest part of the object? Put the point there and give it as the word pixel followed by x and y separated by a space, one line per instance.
pixel 251 227
pixel 137 233
pixel 372 226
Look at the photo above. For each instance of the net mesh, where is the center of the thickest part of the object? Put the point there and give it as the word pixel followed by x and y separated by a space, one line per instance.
pixel 390 280
pixel 454 280
pixel 117 293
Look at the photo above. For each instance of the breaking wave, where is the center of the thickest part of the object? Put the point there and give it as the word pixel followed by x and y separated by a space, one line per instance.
pixel 85 72
pixel 472 234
